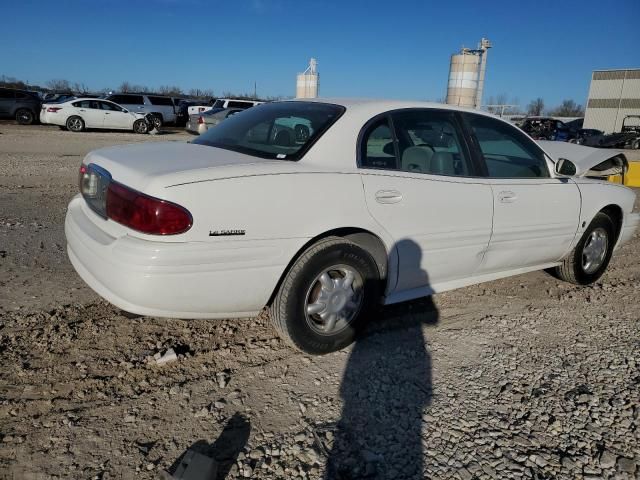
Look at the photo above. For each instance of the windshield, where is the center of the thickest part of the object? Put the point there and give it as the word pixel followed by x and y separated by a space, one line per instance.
pixel 281 130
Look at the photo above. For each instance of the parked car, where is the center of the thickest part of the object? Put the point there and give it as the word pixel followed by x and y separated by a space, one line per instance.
pixel 160 107
pixel 201 122
pixel 21 105
pixel 182 111
pixel 627 137
pixel 81 113
pixel 547 128
pixel 588 137
pixel 367 202
pixel 223 103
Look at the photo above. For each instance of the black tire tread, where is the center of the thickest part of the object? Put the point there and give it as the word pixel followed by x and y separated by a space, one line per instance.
pixel 569 270
pixel 277 309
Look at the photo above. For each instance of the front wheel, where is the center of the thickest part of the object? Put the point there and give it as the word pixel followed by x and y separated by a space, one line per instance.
pixel 326 297
pixel 589 259
pixel 140 126
pixel 157 121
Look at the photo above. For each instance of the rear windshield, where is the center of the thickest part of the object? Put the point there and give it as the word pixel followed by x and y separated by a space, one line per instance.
pixel 282 130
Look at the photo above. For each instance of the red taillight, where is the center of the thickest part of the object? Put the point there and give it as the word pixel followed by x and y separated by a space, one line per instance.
pixel 200 120
pixel 53 109
pixel 144 213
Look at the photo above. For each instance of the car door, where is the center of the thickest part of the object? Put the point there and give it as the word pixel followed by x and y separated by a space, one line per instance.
pixel 115 116
pixel 535 215
pixel 420 185
pixel 90 112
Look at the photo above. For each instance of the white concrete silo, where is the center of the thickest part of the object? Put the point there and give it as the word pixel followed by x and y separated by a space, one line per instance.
pixel 308 82
pixel 466 76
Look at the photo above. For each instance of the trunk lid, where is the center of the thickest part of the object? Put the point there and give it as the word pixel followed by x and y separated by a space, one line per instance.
pixel 162 163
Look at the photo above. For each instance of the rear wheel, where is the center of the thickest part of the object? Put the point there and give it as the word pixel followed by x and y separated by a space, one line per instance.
pixel 140 126
pixel 326 297
pixel 589 259
pixel 636 144
pixel 75 124
pixel 24 116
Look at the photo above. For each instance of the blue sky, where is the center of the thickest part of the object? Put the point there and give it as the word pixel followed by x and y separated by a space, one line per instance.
pixel 386 49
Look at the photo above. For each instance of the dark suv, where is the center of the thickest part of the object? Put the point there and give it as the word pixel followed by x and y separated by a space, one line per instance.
pixel 19 104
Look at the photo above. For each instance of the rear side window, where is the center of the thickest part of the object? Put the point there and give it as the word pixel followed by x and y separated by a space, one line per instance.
pixel 429 142
pixel 377 149
pixel 160 101
pixel 127 99
pixel 4 94
pixel 507 152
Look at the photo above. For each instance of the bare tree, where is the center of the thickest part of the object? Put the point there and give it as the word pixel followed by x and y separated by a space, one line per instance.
pixel 80 88
pixel 170 90
pixel 125 87
pixel 59 85
pixel 568 108
pixel 536 107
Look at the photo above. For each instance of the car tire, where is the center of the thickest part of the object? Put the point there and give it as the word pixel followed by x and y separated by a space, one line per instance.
pixel 326 296
pixel 24 116
pixel 75 124
pixel 157 120
pixel 140 126
pixel 636 145
pixel 590 258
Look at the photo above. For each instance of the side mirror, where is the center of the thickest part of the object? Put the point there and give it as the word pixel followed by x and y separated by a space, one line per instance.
pixel 566 168
pixel 125 110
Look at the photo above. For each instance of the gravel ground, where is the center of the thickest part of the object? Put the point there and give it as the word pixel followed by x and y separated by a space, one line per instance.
pixel 525 377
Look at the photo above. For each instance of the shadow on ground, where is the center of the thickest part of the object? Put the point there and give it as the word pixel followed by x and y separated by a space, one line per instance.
pixel 385 388
pixel 224 449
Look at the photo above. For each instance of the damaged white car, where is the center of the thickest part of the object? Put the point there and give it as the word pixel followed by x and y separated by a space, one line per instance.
pixel 318 210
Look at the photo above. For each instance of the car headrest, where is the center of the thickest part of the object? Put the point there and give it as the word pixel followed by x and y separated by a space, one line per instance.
pixel 417 159
pixel 442 164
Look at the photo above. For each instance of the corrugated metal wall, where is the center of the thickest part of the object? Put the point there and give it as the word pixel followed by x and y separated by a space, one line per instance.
pixel 613 95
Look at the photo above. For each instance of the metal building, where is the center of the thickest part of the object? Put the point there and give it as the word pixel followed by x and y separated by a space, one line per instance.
pixel 613 95
pixel 308 82
pixel 466 76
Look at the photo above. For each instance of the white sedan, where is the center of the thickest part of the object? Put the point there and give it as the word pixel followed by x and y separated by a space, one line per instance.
pixel 321 209
pixel 79 114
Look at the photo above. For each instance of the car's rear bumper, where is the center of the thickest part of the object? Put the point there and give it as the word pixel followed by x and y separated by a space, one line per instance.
pixel 197 128
pixel 175 279
pixel 631 224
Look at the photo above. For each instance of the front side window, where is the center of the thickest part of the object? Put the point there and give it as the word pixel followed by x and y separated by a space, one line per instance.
pixel 236 104
pixel 112 107
pixel 507 152
pixel 282 130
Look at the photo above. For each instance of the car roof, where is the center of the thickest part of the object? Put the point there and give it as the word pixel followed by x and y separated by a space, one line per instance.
pixel 382 105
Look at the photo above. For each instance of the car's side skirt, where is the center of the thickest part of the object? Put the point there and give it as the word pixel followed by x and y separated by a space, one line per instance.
pixel 404 295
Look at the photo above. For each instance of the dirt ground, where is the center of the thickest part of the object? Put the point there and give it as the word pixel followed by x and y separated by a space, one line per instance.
pixel 525 377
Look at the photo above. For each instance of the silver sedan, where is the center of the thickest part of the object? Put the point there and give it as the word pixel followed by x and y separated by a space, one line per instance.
pixel 199 123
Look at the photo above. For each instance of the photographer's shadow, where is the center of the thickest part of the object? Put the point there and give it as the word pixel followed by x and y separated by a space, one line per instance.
pixel 385 389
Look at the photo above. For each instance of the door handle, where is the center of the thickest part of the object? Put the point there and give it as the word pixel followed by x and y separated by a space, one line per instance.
pixel 388 196
pixel 507 197
pixel 106 113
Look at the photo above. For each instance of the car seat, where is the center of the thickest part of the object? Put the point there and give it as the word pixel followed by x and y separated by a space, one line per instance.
pixel 417 159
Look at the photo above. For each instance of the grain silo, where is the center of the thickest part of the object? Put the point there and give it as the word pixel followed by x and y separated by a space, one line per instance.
pixel 308 81
pixel 466 76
